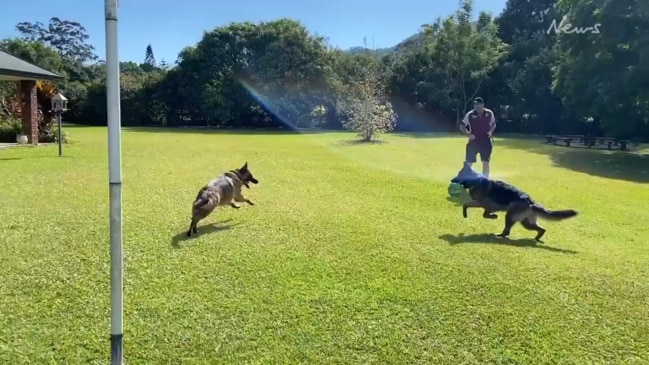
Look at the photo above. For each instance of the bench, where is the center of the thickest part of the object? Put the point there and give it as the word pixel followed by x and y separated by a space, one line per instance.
pixel 576 137
pixel 590 142
pixel 608 142
pixel 623 144
pixel 567 141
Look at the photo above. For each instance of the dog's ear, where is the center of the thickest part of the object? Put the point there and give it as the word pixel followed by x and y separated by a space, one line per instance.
pixel 245 166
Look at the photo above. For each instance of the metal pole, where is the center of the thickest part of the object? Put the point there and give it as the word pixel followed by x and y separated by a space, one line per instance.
pixel 115 184
pixel 58 117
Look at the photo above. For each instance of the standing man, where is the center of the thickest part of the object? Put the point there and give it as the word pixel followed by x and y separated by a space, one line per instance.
pixel 481 124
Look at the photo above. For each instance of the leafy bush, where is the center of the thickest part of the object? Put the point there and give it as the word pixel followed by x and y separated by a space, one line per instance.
pixel 51 135
pixel 10 123
pixel 9 128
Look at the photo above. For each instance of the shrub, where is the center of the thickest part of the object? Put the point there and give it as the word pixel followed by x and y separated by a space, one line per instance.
pixel 10 123
pixel 9 128
pixel 51 135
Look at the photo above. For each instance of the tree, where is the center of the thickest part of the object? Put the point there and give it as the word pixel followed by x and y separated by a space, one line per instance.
pixel 519 89
pixel 149 60
pixel 34 52
pixel 603 52
pixel 370 112
pixel 463 54
pixel 68 38
pixel 130 67
pixel 263 74
pixel 163 64
pixel 449 64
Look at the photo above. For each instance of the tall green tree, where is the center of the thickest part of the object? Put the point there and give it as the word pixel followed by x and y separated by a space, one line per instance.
pixel 465 52
pixel 602 70
pixel 149 60
pixel 458 54
pixel 260 73
pixel 68 38
pixel 519 89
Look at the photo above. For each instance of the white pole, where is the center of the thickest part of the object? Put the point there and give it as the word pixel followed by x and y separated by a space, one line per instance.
pixel 115 185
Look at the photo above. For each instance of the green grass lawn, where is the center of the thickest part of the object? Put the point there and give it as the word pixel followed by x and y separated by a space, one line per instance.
pixel 352 254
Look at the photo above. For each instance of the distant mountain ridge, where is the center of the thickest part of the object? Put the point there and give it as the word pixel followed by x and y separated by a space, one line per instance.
pixel 409 43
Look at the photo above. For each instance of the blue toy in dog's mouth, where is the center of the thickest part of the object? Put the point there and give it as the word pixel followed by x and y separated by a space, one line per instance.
pixel 465 178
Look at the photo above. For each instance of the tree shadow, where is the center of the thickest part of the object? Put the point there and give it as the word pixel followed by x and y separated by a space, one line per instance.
pixel 72 125
pixel 427 135
pixel 202 230
pixel 618 165
pixel 491 239
pixel 359 142
pixel 33 157
pixel 228 131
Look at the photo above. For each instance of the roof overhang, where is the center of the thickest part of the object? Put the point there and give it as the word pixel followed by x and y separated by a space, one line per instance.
pixel 13 68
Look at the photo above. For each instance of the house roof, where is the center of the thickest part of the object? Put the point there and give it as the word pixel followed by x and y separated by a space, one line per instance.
pixel 14 69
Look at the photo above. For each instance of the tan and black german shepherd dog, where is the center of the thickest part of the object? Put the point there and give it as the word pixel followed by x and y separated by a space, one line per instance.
pixel 223 190
pixel 495 195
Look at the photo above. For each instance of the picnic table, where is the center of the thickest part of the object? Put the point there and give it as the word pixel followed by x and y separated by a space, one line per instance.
pixel 588 141
pixel 609 142
pixel 566 139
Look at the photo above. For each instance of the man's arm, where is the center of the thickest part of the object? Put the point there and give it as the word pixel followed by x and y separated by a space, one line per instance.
pixel 464 124
pixel 492 124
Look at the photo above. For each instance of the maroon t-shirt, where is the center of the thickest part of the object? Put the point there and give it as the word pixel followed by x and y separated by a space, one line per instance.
pixel 480 124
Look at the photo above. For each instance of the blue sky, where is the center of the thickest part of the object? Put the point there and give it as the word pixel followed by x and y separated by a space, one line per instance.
pixel 170 26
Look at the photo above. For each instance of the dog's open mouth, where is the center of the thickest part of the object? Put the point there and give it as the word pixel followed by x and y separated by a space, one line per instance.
pixel 245 183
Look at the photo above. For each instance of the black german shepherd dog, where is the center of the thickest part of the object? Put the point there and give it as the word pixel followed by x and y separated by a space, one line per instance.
pixel 495 195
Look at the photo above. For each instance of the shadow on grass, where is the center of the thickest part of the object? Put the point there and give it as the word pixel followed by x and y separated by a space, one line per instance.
pixel 359 142
pixel 202 230
pixel 72 125
pixel 424 135
pixel 619 165
pixel 278 131
pixel 457 201
pixel 34 157
pixel 493 240
pixel 224 131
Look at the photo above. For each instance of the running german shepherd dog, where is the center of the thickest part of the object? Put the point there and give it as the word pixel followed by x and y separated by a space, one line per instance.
pixel 494 196
pixel 223 190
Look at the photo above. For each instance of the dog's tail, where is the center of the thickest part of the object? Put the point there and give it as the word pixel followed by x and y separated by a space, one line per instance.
pixel 553 215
